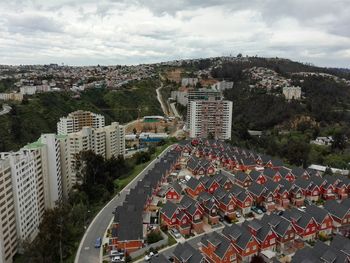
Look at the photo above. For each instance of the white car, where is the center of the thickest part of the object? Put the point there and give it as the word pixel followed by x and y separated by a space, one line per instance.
pixel 175 233
pixel 238 214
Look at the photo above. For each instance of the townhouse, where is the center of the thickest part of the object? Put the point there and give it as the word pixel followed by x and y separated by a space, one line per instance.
pixel 322 252
pixel 322 218
pixel 304 224
pixel 263 233
pixel 217 248
pixel 339 212
pixel 244 242
pixel 283 228
pixel 186 253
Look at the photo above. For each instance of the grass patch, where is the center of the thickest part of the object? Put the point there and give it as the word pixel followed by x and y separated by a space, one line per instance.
pixel 171 240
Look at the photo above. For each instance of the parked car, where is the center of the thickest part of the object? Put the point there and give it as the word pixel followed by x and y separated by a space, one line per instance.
pixel 98 242
pixel 175 233
pixel 257 210
pixel 303 208
pixel 262 208
pixel 238 214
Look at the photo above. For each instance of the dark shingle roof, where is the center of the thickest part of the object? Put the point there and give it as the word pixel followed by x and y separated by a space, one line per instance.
pixel 319 214
pixel 336 209
pixel 186 253
pixel 256 189
pixel 239 234
pixel 221 243
pixel 193 183
pixel 169 209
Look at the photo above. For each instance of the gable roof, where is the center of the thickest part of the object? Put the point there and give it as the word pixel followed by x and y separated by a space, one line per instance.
pixel 176 186
pixel 221 243
pixel 256 189
pixel 279 224
pixel 184 252
pixel 319 214
pixel 238 233
pixel 336 209
pixel 169 209
pixel 193 183
pixel 302 219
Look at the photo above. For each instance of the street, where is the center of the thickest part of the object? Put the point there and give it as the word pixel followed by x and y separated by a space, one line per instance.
pixel 87 253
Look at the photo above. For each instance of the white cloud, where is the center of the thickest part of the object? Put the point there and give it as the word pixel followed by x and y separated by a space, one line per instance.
pixel 140 31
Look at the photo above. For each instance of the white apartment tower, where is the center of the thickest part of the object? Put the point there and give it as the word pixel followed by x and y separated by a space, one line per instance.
pixel 76 120
pixel 210 117
pixel 8 232
pixel 115 140
pixel 27 191
pixel 107 141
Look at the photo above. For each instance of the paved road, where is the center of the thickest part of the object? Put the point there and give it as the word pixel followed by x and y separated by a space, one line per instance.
pixel 160 99
pixel 87 253
pixel 5 109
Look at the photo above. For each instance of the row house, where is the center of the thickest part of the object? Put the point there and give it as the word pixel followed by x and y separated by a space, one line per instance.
pixel 242 199
pixel 340 212
pixel 341 185
pixel 200 167
pixel 217 248
pixel 257 176
pixel 272 174
pixel 173 216
pixel 263 233
pixel 226 203
pixel 336 251
pixel 194 187
pixel 246 164
pixel 174 192
pixel 322 218
pixel 284 193
pixel 194 211
pixel 287 174
pixel 184 252
pixel 242 179
pixel 304 224
pixel 243 241
pixel 299 172
pixel 256 191
pixel 210 205
pixel 283 228
pixel 224 179
pixel 210 184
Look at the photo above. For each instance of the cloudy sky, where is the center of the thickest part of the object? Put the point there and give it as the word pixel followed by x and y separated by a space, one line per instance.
pixel 87 32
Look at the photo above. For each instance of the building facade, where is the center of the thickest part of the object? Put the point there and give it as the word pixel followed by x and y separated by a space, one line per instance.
pixel 210 117
pixel 8 232
pixel 76 120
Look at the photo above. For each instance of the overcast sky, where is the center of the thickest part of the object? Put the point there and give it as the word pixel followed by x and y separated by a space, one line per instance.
pixel 90 32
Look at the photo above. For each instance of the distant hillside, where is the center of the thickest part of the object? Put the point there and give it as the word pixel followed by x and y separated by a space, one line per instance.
pixel 40 113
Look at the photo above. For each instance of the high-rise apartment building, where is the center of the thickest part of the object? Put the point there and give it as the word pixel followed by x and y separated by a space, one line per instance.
pixel 200 94
pixel 107 141
pixel 76 120
pixel 210 118
pixel 28 191
pixel 8 231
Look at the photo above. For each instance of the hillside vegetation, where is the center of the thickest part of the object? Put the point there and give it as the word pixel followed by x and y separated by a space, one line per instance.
pixel 40 113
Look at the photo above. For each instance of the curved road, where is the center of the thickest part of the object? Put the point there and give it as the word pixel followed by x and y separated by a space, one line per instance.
pixel 5 109
pixel 87 253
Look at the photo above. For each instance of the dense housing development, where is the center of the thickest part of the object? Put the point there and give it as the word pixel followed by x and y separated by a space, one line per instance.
pixel 42 173
pixel 276 210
